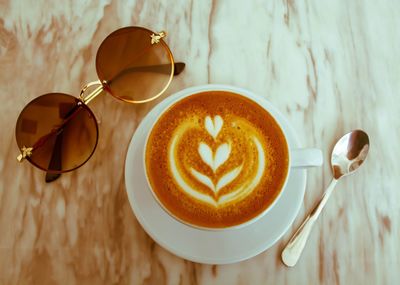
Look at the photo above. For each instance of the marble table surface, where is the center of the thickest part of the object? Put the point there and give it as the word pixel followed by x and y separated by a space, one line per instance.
pixel 328 66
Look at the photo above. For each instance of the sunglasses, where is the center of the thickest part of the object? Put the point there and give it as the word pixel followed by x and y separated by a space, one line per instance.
pixel 58 132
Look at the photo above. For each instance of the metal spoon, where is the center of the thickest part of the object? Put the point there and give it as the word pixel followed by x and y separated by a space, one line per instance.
pixel 347 156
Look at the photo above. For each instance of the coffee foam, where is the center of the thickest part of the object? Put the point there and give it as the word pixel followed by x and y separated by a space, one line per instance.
pixel 214 159
pixel 217 165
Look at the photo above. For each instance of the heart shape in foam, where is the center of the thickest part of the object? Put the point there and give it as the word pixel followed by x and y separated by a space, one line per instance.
pixel 214 126
pixel 214 160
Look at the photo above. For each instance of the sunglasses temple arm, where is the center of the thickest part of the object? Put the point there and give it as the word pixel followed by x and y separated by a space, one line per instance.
pixel 161 69
pixel 56 155
pixel 179 67
pixel 56 159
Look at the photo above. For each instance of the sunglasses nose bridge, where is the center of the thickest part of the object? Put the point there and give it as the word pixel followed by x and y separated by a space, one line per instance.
pixel 89 97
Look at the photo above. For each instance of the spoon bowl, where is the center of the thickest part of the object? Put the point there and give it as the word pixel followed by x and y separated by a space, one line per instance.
pixel 349 153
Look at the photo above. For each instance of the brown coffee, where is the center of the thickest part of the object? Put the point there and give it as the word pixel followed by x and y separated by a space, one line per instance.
pixel 216 159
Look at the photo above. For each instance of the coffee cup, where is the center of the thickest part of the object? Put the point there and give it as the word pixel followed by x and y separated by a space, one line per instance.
pixel 217 157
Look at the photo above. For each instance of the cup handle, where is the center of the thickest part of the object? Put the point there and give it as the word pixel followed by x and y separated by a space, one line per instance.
pixel 306 157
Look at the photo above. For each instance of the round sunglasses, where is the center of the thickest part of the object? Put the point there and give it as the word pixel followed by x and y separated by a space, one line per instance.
pixel 58 132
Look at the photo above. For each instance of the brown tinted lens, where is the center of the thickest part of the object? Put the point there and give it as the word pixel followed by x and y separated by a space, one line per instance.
pixel 62 131
pixel 135 69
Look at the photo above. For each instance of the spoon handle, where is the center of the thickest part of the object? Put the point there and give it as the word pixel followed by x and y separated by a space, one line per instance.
pixel 291 253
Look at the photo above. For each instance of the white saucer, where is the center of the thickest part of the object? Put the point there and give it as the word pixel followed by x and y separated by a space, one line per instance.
pixel 212 247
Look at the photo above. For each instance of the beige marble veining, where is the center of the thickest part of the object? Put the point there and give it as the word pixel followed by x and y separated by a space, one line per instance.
pixel 328 66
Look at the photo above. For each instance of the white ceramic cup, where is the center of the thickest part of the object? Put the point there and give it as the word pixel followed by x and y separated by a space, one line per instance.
pixel 302 157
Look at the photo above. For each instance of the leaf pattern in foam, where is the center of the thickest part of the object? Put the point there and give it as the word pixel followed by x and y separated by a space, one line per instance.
pixel 228 178
pixel 203 179
pixel 221 155
pixel 206 154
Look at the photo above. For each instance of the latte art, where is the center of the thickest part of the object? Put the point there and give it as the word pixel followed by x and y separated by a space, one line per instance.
pixel 216 159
